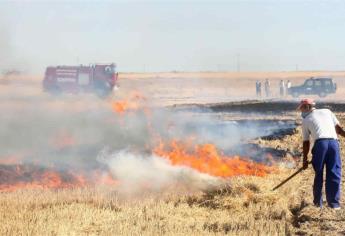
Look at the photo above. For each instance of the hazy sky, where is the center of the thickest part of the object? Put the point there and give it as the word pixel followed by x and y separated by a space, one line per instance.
pixel 174 35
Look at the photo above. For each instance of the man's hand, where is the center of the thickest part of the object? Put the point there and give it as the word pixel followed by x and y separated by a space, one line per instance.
pixel 340 130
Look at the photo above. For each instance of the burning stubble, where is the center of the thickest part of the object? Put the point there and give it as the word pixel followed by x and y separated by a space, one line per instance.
pixel 146 148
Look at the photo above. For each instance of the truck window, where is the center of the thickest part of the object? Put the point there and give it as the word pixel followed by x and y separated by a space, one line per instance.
pixel 318 83
pixel 309 83
pixel 328 82
pixel 84 79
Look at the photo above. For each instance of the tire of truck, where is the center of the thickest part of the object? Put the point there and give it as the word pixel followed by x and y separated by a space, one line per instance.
pixel 322 94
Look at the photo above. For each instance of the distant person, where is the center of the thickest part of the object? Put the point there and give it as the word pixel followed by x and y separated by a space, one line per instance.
pixel 267 88
pixel 282 88
pixel 288 86
pixel 258 88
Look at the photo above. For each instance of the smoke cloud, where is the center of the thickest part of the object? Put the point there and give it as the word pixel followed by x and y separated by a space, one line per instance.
pixel 137 173
pixel 83 134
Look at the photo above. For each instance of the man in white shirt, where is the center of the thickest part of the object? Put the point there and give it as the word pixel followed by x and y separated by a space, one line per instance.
pixel 288 86
pixel 321 126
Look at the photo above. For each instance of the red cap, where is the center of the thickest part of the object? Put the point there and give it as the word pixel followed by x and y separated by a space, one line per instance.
pixel 306 101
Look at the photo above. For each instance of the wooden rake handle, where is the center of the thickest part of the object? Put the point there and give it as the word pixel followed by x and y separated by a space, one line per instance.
pixel 290 177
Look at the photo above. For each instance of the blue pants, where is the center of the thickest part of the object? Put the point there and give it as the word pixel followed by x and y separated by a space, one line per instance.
pixel 326 152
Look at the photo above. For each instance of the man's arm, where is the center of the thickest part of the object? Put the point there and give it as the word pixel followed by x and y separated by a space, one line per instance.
pixel 339 130
pixel 306 147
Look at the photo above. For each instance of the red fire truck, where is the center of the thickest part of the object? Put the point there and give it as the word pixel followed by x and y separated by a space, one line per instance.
pixel 95 78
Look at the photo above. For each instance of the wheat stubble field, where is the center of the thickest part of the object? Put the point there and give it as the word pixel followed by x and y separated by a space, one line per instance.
pixel 239 205
pixel 245 206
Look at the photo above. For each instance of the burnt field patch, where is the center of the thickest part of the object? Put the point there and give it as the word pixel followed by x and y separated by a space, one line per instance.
pixel 272 107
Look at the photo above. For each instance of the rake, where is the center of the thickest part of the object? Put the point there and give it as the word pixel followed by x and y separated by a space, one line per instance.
pixel 290 177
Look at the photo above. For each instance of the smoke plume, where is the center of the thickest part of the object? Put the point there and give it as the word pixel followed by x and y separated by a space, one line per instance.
pixel 70 135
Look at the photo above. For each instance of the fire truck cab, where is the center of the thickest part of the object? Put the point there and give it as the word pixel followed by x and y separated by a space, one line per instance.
pixel 95 78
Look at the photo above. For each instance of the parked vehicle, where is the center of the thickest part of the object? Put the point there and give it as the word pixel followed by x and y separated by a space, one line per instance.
pixel 314 86
pixel 95 78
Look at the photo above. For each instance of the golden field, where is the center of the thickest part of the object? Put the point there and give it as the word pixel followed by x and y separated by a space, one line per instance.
pixel 244 205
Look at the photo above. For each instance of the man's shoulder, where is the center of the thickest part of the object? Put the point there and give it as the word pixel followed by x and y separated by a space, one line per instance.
pixel 323 111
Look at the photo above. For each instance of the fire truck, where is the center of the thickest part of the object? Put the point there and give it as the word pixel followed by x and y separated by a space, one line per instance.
pixel 95 78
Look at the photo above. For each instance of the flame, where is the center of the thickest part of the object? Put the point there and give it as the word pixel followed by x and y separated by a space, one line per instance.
pixel 122 106
pixel 207 159
pixel 133 102
pixel 17 171
pixel 28 176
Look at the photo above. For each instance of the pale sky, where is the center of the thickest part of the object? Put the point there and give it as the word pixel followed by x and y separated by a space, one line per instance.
pixel 174 35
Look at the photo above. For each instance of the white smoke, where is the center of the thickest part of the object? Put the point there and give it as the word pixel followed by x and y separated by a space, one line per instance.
pixel 33 130
pixel 137 173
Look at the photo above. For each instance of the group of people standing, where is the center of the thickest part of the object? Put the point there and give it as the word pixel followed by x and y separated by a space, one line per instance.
pixel 283 88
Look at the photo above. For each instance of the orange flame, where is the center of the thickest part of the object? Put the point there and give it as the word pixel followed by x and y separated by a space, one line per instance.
pixel 14 177
pixel 133 102
pixel 207 159
pixel 119 106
